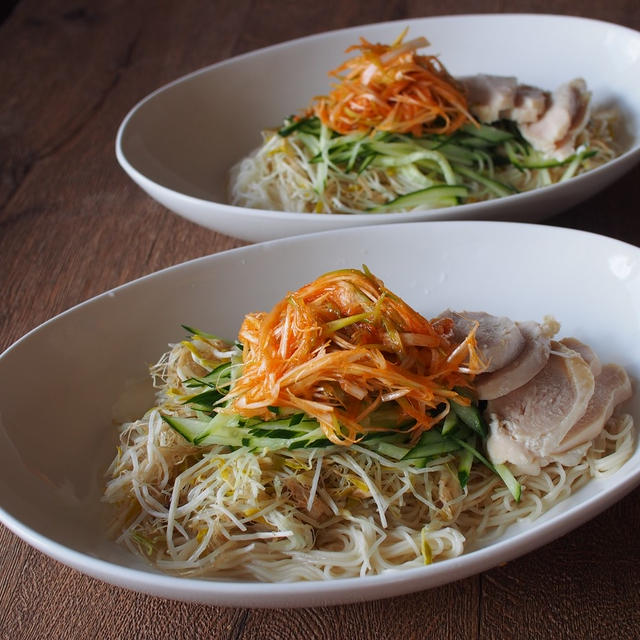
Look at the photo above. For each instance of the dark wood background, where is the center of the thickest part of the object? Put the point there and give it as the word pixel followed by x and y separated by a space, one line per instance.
pixel 72 225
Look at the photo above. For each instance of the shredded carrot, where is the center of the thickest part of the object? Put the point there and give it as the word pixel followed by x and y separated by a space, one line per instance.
pixel 392 88
pixel 340 347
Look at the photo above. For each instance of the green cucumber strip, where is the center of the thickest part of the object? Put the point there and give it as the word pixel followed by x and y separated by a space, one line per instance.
pixel 508 478
pixel 308 125
pixel 413 175
pixel 205 400
pixel 395 154
pixel 189 428
pixel 458 154
pixel 432 449
pixel 430 437
pixel 354 155
pixel 282 423
pixel 275 410
pixel 388 449
pixel 487 132
pixel 275 444
pixel 535 160
pixel 283 431
pixel 276 433
pixel 465 445
pixel 475 143
pixel 515 488
pixel 465 462
pixel 495 186
pixel 221 373
pixel 573 166
pixel 202 334
pixel 319 443
pixel 471 416
pixel 450 423
pixel 438 195
pixel 224 430
pixel 290 125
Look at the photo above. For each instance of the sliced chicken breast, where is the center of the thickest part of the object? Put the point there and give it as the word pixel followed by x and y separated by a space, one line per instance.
pixel 489 96
pixel 612 387
pixel 530 103
pixel 499 339
pixel 588 354
pixel 555 132
pixel 538 415
pixel 493 98
pixel 519 371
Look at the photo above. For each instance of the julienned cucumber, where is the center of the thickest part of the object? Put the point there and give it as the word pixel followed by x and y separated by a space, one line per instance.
pixel 227 430
pixel 497 187
pixel 456 435
pixel 189 428
pixel 436 196
pixel 471 416
pixel 530 159
pixel 510 481
pixel 440 162
pixel 465 462
pixel 487 132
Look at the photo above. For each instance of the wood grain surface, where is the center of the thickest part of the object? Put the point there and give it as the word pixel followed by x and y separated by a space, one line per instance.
pixel 72 225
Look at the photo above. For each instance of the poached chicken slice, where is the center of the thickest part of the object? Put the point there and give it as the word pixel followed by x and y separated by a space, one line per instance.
pixel 612 387
pixel 550 122
pixel 527 364
pixel 588 354
pixel 493 98
pixel 489 96
pixel 530 103
pixel 555 133
pixel 499 339
pixel 530 422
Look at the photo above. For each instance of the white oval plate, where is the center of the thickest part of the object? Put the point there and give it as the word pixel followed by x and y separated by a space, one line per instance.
pixel 63 382
pixel 179 143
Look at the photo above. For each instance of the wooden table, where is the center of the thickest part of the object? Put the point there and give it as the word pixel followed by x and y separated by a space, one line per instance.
pixel 72 225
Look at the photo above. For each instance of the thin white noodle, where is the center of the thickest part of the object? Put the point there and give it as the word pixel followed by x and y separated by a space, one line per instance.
pixel 314 485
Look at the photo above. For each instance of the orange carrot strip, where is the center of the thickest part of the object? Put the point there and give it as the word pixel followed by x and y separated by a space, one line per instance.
pixel 341 344
pixel 392 88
